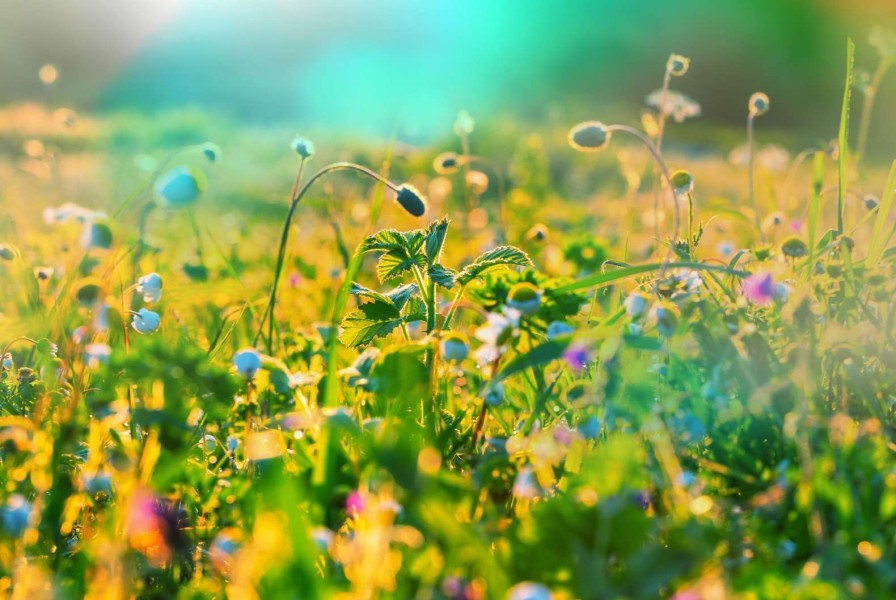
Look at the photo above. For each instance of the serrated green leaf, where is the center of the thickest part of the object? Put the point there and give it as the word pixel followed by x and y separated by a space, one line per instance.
pixel 400 295
pixel 391 265
pixel 442 276
pixel 502 256
pixel 414 310
pixel 370 320
pixel 435 239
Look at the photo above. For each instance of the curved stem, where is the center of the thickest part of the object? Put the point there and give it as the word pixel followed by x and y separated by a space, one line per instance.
pixel 284 238
pixel 660 163
pixel 5 351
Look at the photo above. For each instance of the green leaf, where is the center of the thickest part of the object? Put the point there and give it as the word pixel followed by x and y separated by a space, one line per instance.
pixel 435 239
pixel 502 256
pixel 442 276
pixel 370 320
pixel 414 310
pixel 391 265
pixel 611 276
pixel 537 356
pixel 878 239
pixel 400 295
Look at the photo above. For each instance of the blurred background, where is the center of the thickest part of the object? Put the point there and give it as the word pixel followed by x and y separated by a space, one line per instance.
pixel 405 67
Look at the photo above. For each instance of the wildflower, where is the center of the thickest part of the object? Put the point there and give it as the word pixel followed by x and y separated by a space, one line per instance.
pixel 46 347
pixel 759 289
pixel 682 182
pixel 577 356
pixel 589 136
pixel 635 304
pixel 725 248
pixel 96 354
pixel 15 515
pixel 558 328
pixel 677 64
pixel 758 104
pixel 223 549
pixel 782 292
pixel 7 362
pixel 589 428
pixel 247 362
pixel 96 235
pixel 525 485
pixel 232 443
pixel 454 347
pixel 494 394
pixel 446 163
pixel 154 528
pixel 675 104
pixel 411 200
pixel 794 247
pixel 98 482
pixel 464 124
pixel 151 287
pixel 524 297
pixel 354 503
pixel 303 147
pixel 145 321
pixel 71 213
pixel 528 590
pixel 665 317
pixel 179 187
pixel 496 334
pixel 208 444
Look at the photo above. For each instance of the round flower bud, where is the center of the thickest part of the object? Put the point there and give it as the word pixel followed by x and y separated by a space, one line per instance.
pixel 589 136
pixel 411 200
pixel 247 362
pixel 179 187
pixel 538 233
pixel 150 286
pixel 96 235
pixel 16 514
pixel 446 163
pixel 477 182
pixel 678 65
pixel 871 202
pixel 665 317
pixel 758 104
pixel 682 182
pixel 494 394
pixel 303 147
pixel 208 443
pixel 146 321
pixel 7 252
pixel 463 125
pixel 524 297
pixel 794 247
pixel 454 347
pixel 635 304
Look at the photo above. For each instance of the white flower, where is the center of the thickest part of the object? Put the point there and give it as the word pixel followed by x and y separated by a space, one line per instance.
pixel 526 487
pixel 529 590
pixel 146 321
pixel 151 287
pixel 674 104
pixel 247 362
pixel 96 354
pixel 71 212
pixel 496 333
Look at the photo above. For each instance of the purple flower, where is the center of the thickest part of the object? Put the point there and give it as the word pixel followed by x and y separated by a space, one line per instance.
pixel 577 356
pixel 759 289
pixel 294 279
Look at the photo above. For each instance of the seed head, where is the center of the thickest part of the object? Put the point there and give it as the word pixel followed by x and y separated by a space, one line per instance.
pixel 589 136
pixel 463 125
pixel 678 65
pixel 871 202
pixel 794 247
pixel 411 199
pixel 758 104
pixel 524 297
pixel 211 151
pixel 446 163
pixel 454 347
pixel 179 187
pixel 682 182
pixel 146 321
pixel 303 147
pixel 247 362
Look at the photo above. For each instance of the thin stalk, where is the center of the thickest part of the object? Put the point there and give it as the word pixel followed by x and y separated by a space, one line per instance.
pixel 868 106
pixel 751 176
pixel 446 324
pixel 660 128
pixel 281 255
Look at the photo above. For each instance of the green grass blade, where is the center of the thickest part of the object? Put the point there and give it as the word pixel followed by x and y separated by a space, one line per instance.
pixel 611 276
pixel 843 138
pixel 815 203
pixel 878 239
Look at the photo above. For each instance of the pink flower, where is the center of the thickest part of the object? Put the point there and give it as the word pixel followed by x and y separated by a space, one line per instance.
pixel 294 279
pixel 355 502
pixel 759 289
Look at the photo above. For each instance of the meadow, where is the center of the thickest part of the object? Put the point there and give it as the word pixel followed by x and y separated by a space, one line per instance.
pixel 584 361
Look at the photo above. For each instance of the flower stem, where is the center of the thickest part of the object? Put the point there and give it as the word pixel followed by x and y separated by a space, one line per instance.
pixel 751 176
